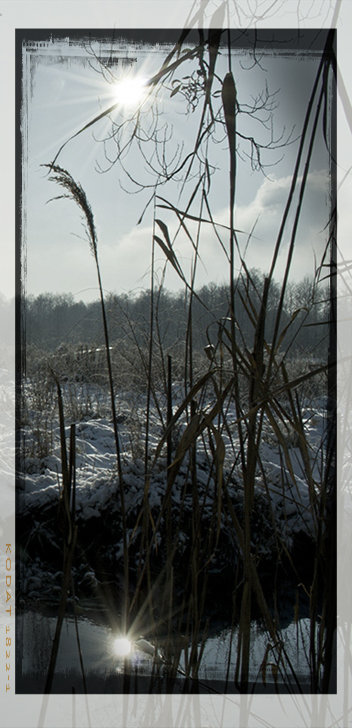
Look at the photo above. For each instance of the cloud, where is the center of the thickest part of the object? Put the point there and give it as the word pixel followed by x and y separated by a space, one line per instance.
pixel 127 261
pixel 264 216
pixel 125 258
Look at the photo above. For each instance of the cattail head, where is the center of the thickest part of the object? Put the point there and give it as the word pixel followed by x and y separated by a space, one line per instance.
pixel 75 192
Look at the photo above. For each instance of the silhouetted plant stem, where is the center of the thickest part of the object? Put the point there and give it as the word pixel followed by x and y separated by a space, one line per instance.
pixel 76 192
pixel 169 409
pixel 66 518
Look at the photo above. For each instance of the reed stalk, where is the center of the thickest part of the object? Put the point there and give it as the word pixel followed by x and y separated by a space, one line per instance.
pixel 74 191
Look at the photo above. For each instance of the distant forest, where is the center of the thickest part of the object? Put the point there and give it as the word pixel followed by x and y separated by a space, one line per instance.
pixel 55 319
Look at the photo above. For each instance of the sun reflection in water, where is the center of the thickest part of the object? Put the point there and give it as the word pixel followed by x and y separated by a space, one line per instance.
pixel 122 647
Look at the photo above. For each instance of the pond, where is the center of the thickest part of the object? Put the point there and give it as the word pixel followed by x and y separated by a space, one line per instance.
pixel 106 671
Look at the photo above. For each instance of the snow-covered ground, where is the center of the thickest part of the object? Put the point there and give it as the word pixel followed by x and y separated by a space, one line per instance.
pixel 284 499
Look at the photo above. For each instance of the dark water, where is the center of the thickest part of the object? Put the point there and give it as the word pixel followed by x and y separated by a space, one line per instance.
pixel 106 672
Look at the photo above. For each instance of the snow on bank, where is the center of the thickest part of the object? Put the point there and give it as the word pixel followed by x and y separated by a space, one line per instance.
pixel 283 497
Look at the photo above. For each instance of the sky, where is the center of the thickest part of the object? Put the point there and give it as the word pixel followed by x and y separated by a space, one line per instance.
pixel 64 88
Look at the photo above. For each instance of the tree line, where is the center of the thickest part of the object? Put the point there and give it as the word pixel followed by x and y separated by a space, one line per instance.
pixel 53 319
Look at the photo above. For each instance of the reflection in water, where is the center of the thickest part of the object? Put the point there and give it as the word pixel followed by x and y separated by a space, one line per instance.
pixel 122 646
pixel 107 656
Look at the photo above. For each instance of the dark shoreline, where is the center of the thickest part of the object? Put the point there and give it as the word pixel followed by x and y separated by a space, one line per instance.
pixel 145 684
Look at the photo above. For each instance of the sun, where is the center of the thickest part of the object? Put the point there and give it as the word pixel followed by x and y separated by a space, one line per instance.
pixel 130 90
